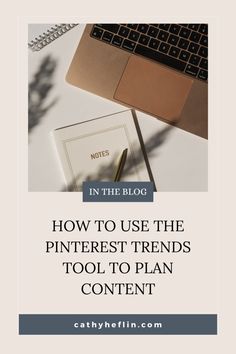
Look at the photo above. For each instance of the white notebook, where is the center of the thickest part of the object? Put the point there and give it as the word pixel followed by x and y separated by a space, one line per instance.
pixel 92 150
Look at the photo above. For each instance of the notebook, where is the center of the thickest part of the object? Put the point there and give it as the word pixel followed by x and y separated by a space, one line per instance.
pixel 92 150
pixel 40 35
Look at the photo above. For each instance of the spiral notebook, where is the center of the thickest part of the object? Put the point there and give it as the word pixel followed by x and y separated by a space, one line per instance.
pixel 40 35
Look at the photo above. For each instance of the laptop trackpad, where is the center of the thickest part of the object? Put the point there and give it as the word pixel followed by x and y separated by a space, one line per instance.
pixel 153 88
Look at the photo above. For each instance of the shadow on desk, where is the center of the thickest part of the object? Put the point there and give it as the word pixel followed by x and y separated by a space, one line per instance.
pixel 39 91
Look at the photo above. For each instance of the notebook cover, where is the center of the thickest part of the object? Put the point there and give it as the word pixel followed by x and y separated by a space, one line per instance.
pixel 92 150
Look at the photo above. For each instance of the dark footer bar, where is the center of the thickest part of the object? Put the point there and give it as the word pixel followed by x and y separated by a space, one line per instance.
pixel 85 324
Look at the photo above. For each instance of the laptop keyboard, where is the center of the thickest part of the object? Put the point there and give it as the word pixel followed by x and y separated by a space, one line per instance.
pixel 183 47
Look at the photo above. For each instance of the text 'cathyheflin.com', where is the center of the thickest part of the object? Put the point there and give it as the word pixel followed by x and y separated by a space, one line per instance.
pixel 131 268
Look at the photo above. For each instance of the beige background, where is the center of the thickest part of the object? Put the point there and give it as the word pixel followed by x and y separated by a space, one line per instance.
pixel 44 288
pixel 221 182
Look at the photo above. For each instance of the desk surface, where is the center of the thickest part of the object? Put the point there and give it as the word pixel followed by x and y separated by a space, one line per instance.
pixel 178 159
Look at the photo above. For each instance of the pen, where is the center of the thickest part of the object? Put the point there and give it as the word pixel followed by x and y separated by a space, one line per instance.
pixel 121 165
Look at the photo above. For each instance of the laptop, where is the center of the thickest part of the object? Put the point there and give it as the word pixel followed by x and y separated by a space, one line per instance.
pixel 159 69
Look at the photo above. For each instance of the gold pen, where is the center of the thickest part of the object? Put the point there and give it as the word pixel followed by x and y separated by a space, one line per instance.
pixel 121 165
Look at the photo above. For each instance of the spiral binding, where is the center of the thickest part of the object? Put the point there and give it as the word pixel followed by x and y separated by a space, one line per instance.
pixel 47 37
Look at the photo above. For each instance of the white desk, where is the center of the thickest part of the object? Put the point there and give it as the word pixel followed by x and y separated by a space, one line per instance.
pixel 178 159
